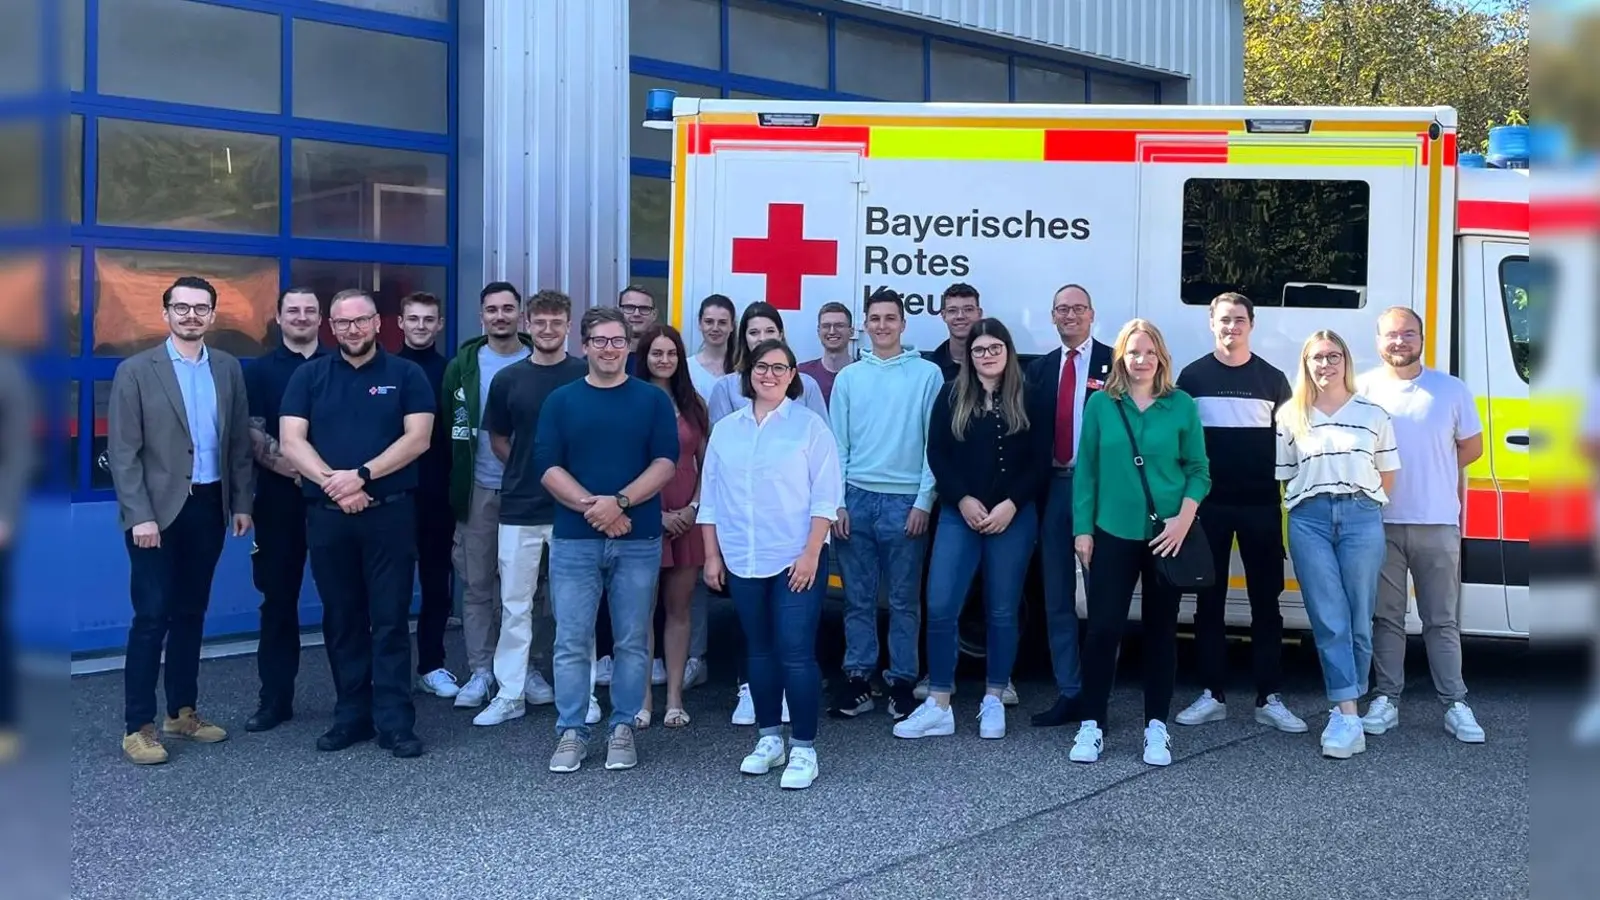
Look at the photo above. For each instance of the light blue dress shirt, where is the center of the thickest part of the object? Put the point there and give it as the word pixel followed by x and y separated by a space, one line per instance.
pixel 199 389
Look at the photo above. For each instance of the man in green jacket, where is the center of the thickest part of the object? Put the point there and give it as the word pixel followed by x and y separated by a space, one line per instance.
pixel 475 474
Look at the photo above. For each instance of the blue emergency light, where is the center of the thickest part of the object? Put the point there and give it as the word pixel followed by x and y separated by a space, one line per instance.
pixel 1472 161
pixel 1509 147
pixel 658 109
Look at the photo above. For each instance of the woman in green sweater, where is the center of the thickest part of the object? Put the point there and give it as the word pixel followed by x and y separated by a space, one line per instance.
pixel 1117 542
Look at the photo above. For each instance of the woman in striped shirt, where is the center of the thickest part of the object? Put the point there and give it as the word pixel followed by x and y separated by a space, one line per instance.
pixel 1337 452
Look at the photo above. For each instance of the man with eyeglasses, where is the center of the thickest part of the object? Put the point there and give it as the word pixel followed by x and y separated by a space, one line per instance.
pixel 1439 434
pixel 834 328
pixel 278 560
pixel 179 448
pixel 606 445
pixel 353 424
pixel 960 309
pixel 1070 373
pixel 639 310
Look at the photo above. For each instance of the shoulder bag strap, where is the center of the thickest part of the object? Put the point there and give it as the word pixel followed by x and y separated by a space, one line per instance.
pixel 1138 462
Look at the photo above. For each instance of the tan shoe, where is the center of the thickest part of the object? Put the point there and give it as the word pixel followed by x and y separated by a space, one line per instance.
pixel 143 748
pixel 10 745
pixel 190 726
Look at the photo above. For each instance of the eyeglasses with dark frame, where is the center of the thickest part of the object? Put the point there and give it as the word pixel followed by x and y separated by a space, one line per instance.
pixel 184 309
pixel 359 322
pixel 601 342
pixel 778 369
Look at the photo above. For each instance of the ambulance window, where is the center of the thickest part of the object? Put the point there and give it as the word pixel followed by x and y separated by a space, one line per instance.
pixel 1519 279
pixel 1280 242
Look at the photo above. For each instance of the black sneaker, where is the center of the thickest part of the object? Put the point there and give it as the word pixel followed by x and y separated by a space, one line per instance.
pixel 853 698
pixel 902 699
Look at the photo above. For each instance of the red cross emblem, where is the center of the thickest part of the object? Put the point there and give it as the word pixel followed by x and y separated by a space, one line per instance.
pixel 785 255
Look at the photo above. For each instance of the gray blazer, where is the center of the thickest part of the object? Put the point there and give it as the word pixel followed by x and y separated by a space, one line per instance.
pixel 150 450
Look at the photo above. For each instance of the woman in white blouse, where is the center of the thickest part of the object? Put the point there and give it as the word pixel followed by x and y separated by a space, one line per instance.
pixel 770 491
pixel 760 322
pixel 1337 452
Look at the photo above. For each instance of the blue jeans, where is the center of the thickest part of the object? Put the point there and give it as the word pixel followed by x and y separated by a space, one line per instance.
pixel 780 631
pixel 957 550
pixel 1337 545
pixel 877 541
pixel 579 570
pixel 1059 568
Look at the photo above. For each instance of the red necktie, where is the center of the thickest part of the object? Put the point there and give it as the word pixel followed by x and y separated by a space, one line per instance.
pixel 1064 402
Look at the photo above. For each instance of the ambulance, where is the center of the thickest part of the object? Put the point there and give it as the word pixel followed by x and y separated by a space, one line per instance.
pixel 1323 216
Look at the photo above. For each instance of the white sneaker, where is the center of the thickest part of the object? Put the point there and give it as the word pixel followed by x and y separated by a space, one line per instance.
pixel 1462 724
pixel 538 691
pixel 1382 716
pixel 694 672
pixel 928 720
pixel 992 718
pixel 1278 716
pixel 1157 744
pixel 595 715
pixel 658 672
pixel 1344 736
pixel 801 770
pixel 745 712
pixel 785 716
pixel 500 711
pixel 1088 743
pixel 475 691
pixel 439 683
pixel 768 755
pixel 1009 695
pixel 1206 709
pixel 602 670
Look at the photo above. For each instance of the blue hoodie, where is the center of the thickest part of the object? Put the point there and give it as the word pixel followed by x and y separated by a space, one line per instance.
pixel 879 410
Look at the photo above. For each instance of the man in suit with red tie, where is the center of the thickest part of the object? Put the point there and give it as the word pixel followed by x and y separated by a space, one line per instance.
pixel 1072 372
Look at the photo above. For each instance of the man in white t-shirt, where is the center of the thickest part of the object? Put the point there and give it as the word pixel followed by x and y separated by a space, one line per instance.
pixel 1439 434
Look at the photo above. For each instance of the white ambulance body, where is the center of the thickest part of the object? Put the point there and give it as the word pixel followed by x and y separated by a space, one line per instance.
pixel 1323 216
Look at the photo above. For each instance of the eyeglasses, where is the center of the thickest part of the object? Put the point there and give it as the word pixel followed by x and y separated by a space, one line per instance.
pixel 600 343
pixel 184 309
pixel 637 309
pixel 834 326
pixel 1076 309
pixel 765 368
pixel 989 350
pixel 1327 359
pixel 959 312
pixel 359 322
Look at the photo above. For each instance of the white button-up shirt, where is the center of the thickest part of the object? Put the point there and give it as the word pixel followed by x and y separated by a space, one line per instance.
pixel 764 483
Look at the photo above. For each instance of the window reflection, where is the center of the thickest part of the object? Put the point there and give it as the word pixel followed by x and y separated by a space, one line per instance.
pixel 127 299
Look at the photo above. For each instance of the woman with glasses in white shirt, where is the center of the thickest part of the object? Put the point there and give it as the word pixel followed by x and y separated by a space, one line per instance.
pixel 771 489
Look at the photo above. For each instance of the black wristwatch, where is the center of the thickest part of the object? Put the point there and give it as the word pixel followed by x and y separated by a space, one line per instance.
pixel 365 474
pixel 622 500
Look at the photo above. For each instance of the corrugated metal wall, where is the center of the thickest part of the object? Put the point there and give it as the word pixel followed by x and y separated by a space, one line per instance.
pixel 1202 40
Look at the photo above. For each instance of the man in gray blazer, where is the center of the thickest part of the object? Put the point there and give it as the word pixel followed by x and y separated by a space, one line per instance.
pixel 179 445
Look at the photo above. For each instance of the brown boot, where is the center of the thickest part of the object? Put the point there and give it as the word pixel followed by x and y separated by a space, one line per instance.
pixel 190 726
pixel 143 747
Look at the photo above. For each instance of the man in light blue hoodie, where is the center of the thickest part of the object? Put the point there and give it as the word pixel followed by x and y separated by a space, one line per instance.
pixel 879 411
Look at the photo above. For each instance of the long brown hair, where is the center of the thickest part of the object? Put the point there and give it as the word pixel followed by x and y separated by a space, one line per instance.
pixel 1163 382
pixel 739 349
pixel 679 385
pixel 967 394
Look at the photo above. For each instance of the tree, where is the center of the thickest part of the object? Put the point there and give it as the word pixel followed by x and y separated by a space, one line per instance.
pixel 1468 54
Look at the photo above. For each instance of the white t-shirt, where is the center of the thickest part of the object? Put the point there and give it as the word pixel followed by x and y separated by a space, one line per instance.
pixel 1430 413
pixel 1339 454
pixel 702 378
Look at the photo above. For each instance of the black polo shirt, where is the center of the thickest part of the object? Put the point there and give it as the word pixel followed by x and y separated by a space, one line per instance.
pixel 355 414
pixel 264 382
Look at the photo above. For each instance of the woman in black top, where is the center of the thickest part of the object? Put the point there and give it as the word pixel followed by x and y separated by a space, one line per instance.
pixel 989 454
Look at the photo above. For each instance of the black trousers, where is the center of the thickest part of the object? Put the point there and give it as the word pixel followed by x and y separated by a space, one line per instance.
pixel 278 566
pixel 170 586
pixel 1114 569
pixel 435 531
pixel 363 565
pixel 8 647
pixel 1260 534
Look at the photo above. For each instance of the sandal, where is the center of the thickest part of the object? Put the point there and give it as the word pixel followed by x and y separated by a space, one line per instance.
pixel 642 720
pixel 675 718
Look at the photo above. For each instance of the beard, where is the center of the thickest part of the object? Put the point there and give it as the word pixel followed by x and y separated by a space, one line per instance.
pixel 1401 359
pixel 357 348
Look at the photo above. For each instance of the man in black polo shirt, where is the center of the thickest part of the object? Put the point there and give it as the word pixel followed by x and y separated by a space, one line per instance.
pixel 278 560
pixel 354 424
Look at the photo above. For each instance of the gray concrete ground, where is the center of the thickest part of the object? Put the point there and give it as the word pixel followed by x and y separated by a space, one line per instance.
pixel 1243 812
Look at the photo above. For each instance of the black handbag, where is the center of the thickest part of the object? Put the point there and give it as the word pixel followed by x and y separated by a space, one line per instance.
pixel 1191 568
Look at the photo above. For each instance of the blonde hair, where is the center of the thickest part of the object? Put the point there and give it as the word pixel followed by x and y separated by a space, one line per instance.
pixel 1164 382
pixel 1295 416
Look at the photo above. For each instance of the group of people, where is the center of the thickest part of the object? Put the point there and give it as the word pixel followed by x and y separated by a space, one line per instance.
pixel 643 478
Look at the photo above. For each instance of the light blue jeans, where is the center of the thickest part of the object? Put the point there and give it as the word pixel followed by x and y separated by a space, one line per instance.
pixel 627 571
pixel 878 542
pixel 1337 545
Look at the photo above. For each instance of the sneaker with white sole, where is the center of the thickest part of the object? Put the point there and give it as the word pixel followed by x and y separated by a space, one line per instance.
pixel 801 770
pixel 694 672
pixel 500 711
pixel 768 755
pixel 992 718
pixel 439 683
pixel 570 752
pixel 1344 736
pixel 1278 716
pixel 1009 695
pixel 537 691
pixel 603 669
pixel 1382 716
pixel 594 715
pixel 621 752
pixel 1460 723
pixel 1088 743
pixel 1205 709
pixel 744 712
pixel 928 720
pixel 475 691
pixel 1157 744
pixel 658 673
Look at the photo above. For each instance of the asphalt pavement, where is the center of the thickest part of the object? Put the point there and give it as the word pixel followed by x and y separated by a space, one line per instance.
pixel 1243 811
